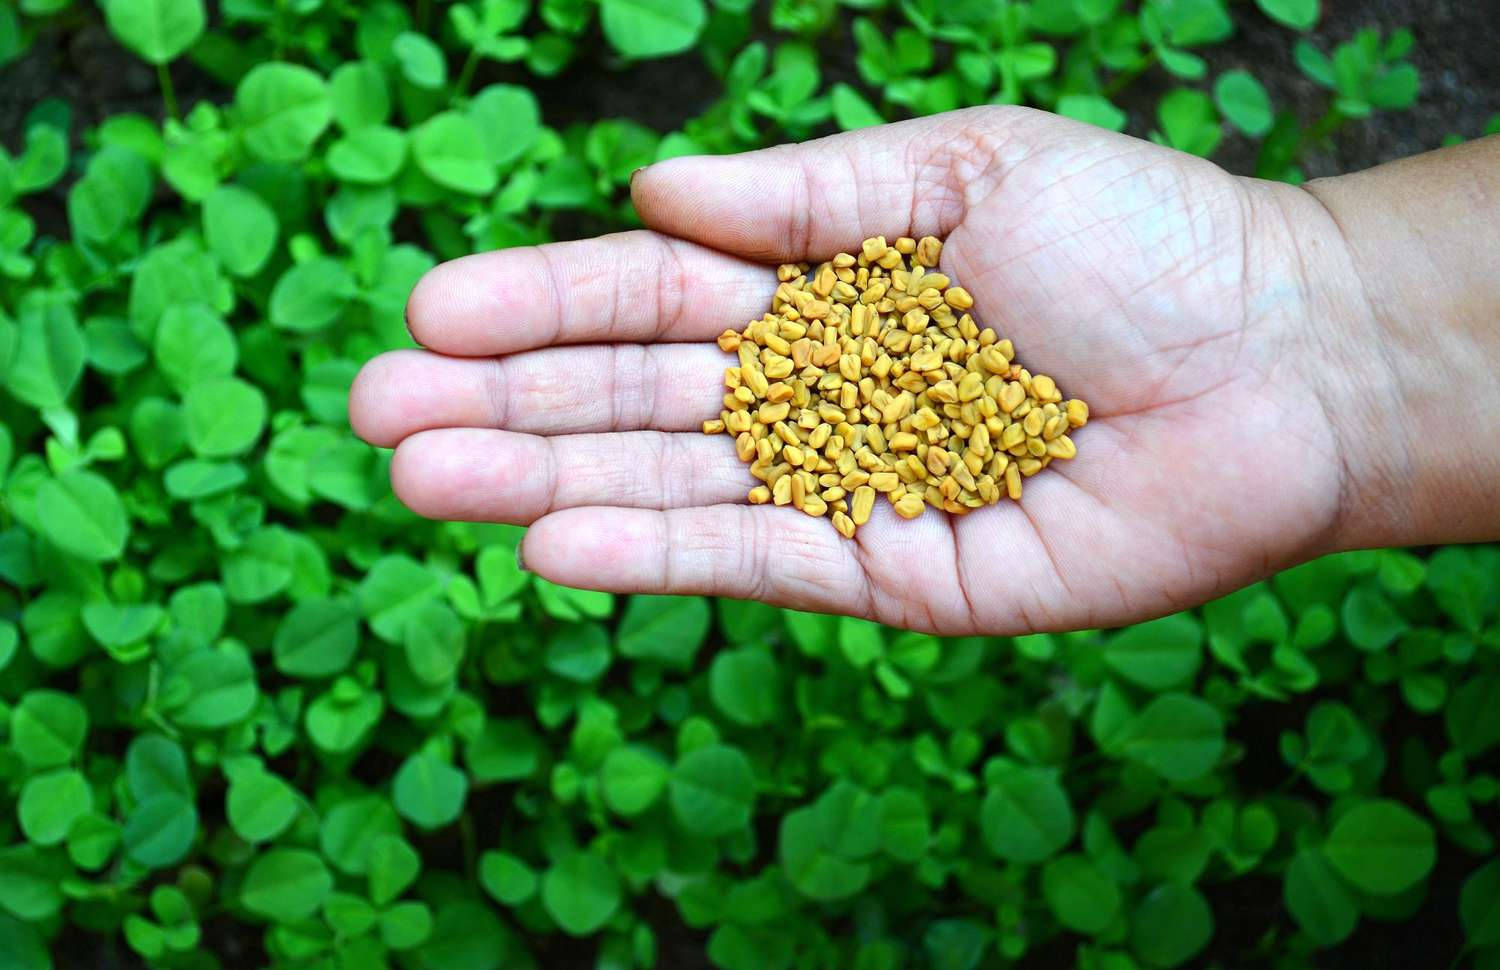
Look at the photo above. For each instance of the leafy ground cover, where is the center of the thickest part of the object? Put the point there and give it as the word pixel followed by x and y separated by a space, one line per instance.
pixel 252 712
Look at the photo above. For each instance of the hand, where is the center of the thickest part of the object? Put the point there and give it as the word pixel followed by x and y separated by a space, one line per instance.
pixel 564 385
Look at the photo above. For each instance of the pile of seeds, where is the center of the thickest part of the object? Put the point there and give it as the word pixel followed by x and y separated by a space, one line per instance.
pixel 869 376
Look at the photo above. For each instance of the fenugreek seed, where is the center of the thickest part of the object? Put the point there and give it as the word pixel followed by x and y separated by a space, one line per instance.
pixel 864 503
pixel 868 376
pixel 909 506
pixel 958 298
pixel 781 490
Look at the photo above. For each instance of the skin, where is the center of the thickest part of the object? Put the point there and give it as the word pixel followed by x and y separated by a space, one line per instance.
pixel 1273 372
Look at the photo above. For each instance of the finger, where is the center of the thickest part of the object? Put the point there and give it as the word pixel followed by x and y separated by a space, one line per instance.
pixel 477 475
pixel 748 552
pixel 809 201
pixel 639 287
pixel 558 390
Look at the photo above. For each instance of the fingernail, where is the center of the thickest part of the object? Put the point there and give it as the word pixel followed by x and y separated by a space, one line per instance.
pixel 520 560
pixel 635 173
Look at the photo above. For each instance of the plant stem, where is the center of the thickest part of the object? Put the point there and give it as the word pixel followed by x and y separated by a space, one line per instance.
pixel 466 74
pixel 1327 125
pixel 168 95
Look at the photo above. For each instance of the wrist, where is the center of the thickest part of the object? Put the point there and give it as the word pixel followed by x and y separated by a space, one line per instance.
pixel 1400 342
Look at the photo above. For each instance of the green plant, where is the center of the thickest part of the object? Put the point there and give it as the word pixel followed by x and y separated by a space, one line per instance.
pixel 252 711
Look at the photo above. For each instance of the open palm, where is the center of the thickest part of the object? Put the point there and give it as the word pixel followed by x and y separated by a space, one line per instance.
pixel 563 385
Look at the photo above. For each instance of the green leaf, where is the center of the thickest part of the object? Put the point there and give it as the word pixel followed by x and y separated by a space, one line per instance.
pixel 260 805
pixel 81 513
pixel 652 28
pixel 668 629
pixel 1094 109
pixel 1026 815
pixel 405 925
pixel 1177 736
pixel 1370 622
pixel 50 803
pixel 809 856
pixel 352 828
pixel 1172 924
pixel 395 590
pixel 1472 723
pixel 30 880
pixel 317 638
pixel 1317 899
pixel 509 120
pixel 359 95
pixel 116 625
pixel 712 790
pixel 224 416
pixel 581 893
pixel 1244 102
pixel 309 296
pixel 282 109
pixel 212 687
pixel 420 59
pixel 1296 14
pixel 632 778
pixel 160 830
pixel 193 344
pixel 48 356
pixel 905 825
pixel 428 791
pixel 369 155
pixel 1189 122
pixel 851 110
pixel 745 684
pixel 505 877
pixel 1081 896
pixel 240 229
pixel 1159 654
pixel 157 30
pixel 1381 847
pixel 579 652
pixel 286 885
pixel 1479 906
pixel 393 866
pixel 450 149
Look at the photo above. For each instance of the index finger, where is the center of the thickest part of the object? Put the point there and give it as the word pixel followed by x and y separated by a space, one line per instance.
pixel 628 287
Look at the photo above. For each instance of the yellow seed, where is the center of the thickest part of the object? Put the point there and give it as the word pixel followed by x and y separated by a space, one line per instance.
pixel 1013 481
pixel 1034 422
pixel 1078 413
pixel 844 524
pixel 760 495
pixel 970 386
pixel 903 441
pixel 884 481
pixel 1012 396
pixel 771 413
pixel 958 298
pixel 715 426
pixel 929 250
pixel 1029 466
pixel 814 506
pixel 1044 389
pixel 781 490
pixel 1062 447
pixel 864 502
pixel 909 506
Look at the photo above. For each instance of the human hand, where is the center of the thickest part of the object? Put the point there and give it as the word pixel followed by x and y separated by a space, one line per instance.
pixel 564 385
